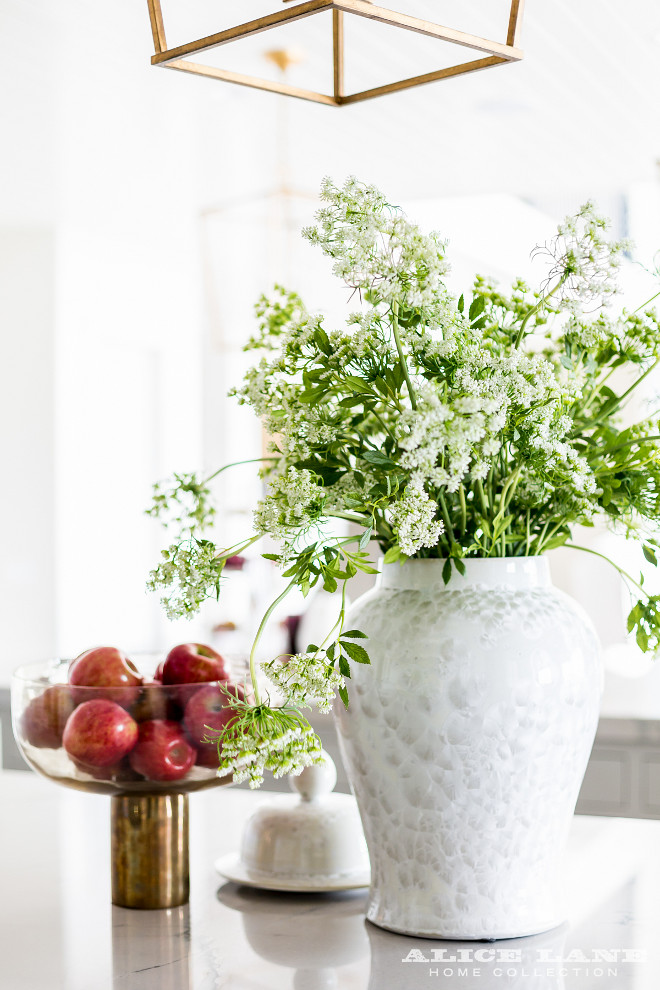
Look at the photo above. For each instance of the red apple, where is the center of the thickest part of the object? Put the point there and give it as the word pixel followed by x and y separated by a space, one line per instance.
pixel 158 673
pixel 210 708
pixel 105 668
pixel 43 721
pixel 162 751
pixel 99 733
pixel 156 702
pixel 194 663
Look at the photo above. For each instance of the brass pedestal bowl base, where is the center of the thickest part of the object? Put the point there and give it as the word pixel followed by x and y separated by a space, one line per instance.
pixel 150 865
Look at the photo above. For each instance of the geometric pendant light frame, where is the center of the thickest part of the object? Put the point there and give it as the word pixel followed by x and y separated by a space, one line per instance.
pixel 492 52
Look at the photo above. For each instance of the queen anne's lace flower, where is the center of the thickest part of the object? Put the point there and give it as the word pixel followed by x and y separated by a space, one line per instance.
pixel 259 739
pixel 192 569
pixel 414 520
pixel 294 501
pixel 375 248
pixel 306 679
pixel 585 259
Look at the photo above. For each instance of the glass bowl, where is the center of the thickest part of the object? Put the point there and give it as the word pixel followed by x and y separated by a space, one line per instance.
pixel 42 702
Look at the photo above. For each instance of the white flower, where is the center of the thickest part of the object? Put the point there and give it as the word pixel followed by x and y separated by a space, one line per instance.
pixel 294 501
pixel 278 740
pixel 584 259
pixel 306 679
pixel 414 520
pixel 375 248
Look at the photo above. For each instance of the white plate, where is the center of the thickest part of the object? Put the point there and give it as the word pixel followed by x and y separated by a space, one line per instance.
pixel 231 868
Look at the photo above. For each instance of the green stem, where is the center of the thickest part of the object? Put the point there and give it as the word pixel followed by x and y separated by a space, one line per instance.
pixel 548 536
pixel 237 548
pixel 340 620
pixel 596 391
pixel 461 496
pixel 348 516
pixel 542 301
pixel 447 520
pixel 383 424
pixel 624 574
pixel 252 460
pixel 646 303
pixel 527 534
pixel 482 497
pixel 639 380
pixel 402 359
pixel 541 539
pixel 630 443
pixel 269 611
pixel 613 404
pixel 479 488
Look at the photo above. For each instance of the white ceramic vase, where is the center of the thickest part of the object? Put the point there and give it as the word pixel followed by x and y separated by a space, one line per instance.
pixel 466 742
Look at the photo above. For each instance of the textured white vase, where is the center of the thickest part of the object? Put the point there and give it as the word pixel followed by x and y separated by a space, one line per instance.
pixel 466 741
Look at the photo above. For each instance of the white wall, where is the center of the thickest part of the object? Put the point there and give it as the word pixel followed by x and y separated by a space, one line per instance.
pixel 27 471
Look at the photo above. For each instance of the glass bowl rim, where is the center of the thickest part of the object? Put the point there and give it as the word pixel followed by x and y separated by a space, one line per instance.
pixel 39 673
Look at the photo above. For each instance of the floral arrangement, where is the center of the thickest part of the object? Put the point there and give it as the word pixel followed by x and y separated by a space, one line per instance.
pixel 487 426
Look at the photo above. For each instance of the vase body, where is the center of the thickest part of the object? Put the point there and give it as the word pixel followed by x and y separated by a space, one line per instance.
pixel 466 742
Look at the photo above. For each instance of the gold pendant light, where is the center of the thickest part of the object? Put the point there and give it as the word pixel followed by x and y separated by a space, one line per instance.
pixel 492 52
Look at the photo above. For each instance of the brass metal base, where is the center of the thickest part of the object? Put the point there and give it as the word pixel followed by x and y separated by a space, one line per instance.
pixel 150 866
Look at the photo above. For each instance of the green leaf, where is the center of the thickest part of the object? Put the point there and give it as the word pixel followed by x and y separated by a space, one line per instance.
pixel 556 541
pixel 344 667
pixel 634 616
pixel 566 362
pixel 354 634
pixel 459 565
pixel 375 457
pixel 270 556
pixel 351 400
pixel 392 555
pixel 357 384
pixel 343 694
pixel 329 582
pixel 356 652
pixel 312 648
pixel 446 571
pixel 321 339
pixel 331 651
pixel 642 639
pixel 365 568
pixel 311 395
pixel 477 307
pixel 366 536
pixel 650 555
pixel 461 303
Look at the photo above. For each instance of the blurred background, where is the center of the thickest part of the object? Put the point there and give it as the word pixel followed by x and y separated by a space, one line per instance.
pixel 143 211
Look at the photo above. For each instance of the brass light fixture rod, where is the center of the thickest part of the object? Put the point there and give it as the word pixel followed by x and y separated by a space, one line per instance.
pixel 496 53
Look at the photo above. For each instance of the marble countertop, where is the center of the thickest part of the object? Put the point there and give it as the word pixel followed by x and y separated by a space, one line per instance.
pixel 58 928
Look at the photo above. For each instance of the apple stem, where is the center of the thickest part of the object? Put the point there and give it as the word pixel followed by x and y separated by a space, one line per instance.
pixel 269 611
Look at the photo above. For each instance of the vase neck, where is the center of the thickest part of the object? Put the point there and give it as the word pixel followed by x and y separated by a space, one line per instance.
pixel 493 572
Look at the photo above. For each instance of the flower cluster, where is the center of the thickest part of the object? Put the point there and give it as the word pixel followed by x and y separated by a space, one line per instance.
pixel 192 569
pixel 414 519
pixel 260 738
pixel 294 502
pixel 375 248
pixel 184 501
pixel 305 679
pixel 585 260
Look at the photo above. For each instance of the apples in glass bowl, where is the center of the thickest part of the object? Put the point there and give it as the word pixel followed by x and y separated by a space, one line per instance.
pixel 100 723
